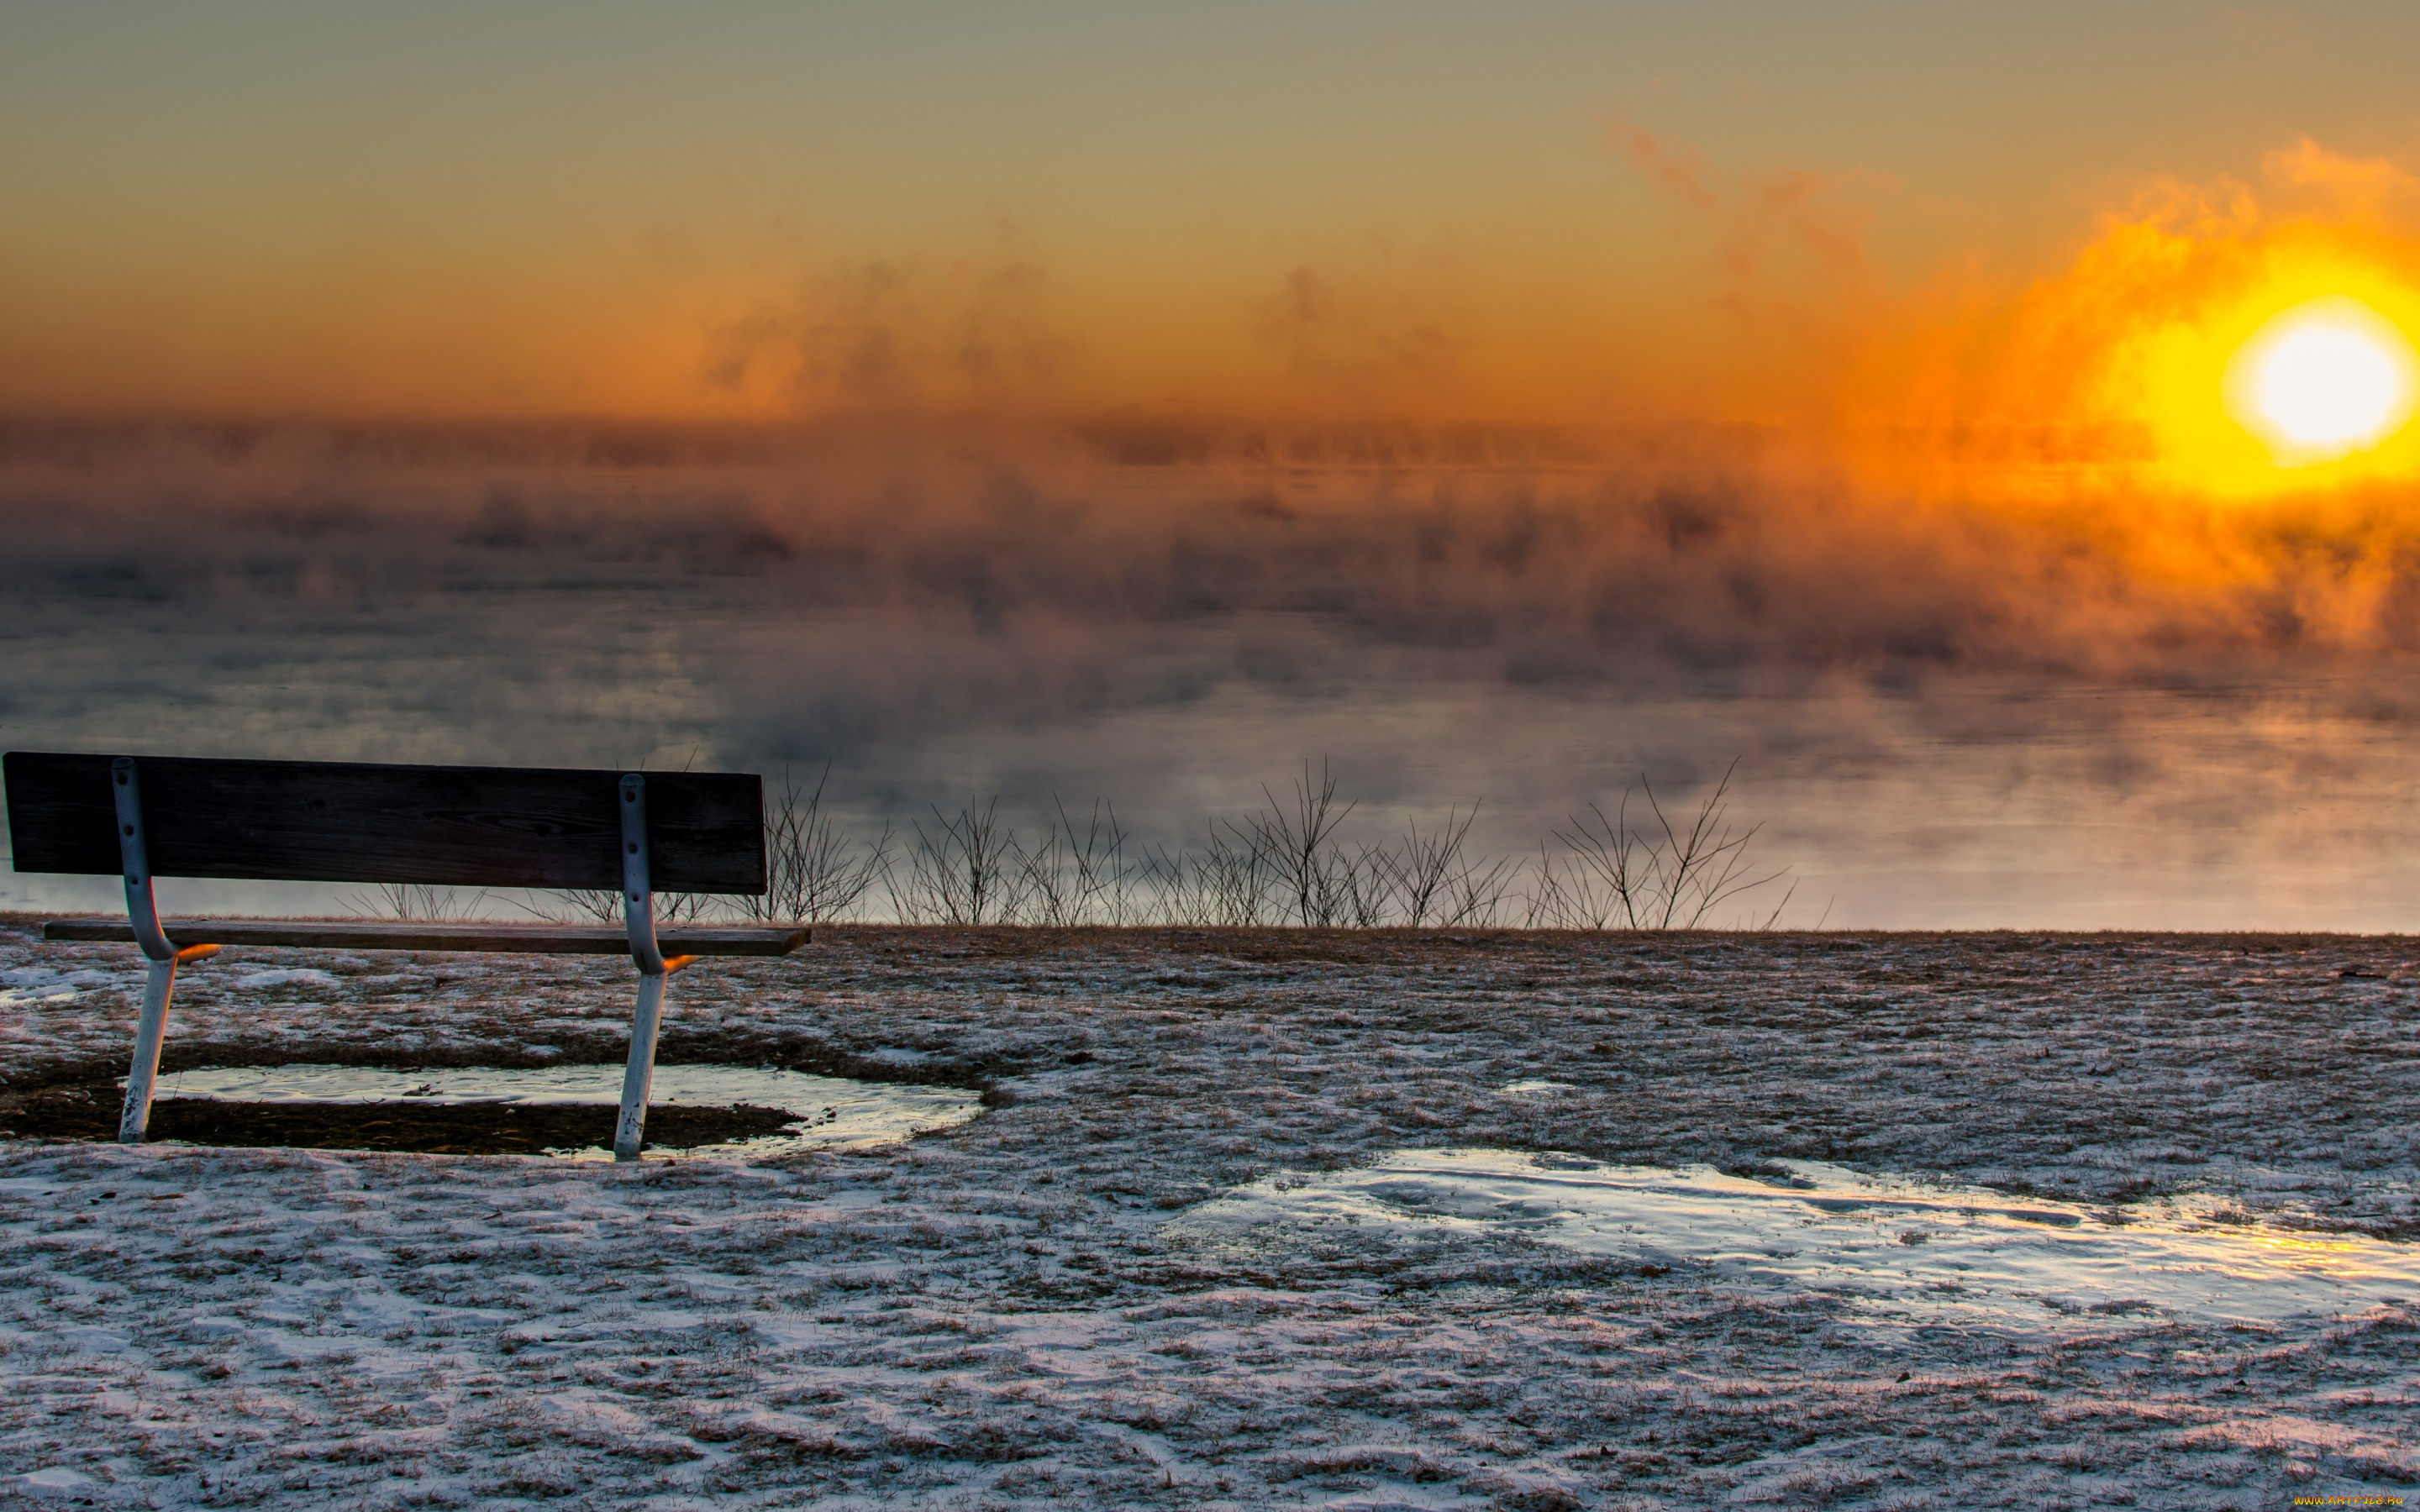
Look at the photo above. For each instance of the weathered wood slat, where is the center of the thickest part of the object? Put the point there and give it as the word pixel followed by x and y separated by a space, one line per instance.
pixel 353 822
pixel 404 935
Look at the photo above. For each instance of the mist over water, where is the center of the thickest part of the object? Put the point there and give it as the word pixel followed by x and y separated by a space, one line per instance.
pixel 1944 716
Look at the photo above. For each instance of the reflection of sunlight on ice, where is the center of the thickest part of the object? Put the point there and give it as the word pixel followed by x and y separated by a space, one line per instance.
pixel 1900 1250
pixel 834 1113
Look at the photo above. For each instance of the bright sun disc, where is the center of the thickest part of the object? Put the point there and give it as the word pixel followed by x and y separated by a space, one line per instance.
pixel 2324 379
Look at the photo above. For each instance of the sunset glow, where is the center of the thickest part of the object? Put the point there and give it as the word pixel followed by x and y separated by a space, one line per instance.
pixel 2323 380
pixel 2216 346
pixel 1612 344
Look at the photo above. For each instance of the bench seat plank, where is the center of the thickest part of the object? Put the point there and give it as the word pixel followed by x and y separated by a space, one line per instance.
pixel 404 935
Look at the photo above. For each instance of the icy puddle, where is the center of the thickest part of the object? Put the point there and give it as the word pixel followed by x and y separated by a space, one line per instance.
pixel 1902 1252
pixel 834 1113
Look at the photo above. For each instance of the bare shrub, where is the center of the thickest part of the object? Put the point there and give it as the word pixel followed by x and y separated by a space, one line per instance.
pixel 1602 880
pixel 1642 867
pixel 1238 877
pixel 1077 879
pixel 1299 842
pixel 570 906
pixel 1364 888
pixel 603 905
pixel 1290 864
pixel 1652 875
pixel 1480 888
pixel 969 869
pixel 1229 881
pixel 813 873
pixel 1438 881
pixel 1548 902
pixel 1171 887
pixel 414 901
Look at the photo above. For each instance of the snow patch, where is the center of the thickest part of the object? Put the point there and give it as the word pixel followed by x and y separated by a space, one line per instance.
pixel 94 1340
pixel 24 986
pixel 1900 1250
pixel 286 977
pixel 56 1482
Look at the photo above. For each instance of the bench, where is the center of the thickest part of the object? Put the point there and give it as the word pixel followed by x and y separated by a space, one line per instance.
pixel 492 826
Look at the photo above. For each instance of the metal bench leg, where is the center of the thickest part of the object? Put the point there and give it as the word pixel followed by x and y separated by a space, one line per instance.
pixel 639 914
pixel 641 1073
pixel 144 915
pixel 148 1031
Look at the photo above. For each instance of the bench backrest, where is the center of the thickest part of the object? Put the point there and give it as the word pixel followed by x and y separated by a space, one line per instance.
pixel 495 827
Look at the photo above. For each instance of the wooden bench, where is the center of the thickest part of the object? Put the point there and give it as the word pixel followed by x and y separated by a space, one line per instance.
pixel 141 817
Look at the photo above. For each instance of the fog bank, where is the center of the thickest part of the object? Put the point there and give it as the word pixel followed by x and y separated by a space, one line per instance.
pixel 2085 707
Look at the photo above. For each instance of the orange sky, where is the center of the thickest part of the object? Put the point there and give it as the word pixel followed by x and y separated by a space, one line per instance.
pixel 1947 233
pixel 1934 321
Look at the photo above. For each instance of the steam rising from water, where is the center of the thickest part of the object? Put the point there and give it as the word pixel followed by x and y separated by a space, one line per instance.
pixel 2089 711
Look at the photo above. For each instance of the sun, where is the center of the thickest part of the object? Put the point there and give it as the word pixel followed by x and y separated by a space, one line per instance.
pixel 2323 380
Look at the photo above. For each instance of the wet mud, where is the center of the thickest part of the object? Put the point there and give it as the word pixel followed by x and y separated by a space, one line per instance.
pixel 90 1111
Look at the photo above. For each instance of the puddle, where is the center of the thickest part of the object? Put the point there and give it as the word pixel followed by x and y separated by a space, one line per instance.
pixel 1899 1251
pixel 834 1113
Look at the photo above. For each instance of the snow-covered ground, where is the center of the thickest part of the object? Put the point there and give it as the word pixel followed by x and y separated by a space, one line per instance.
pixel 1269 1219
